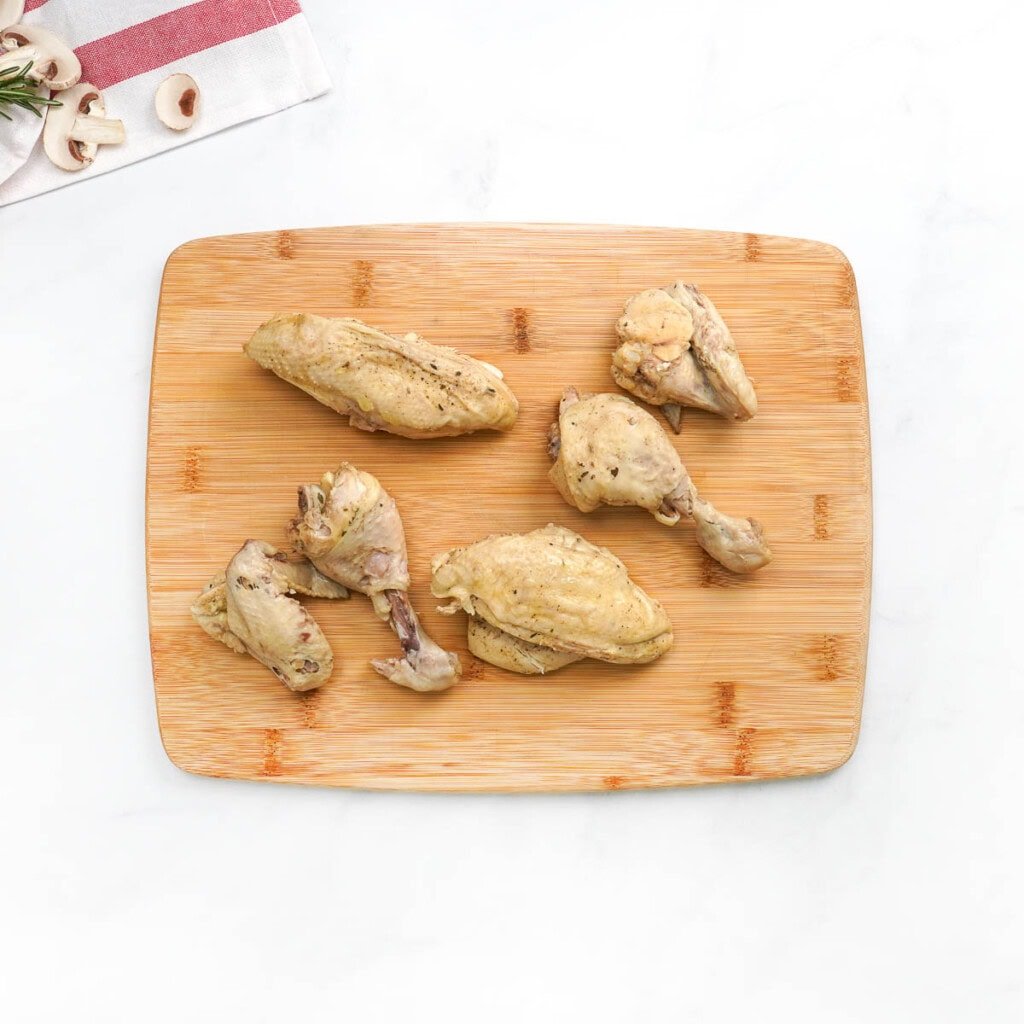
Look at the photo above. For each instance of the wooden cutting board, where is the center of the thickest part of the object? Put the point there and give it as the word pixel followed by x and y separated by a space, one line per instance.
pixel 766 676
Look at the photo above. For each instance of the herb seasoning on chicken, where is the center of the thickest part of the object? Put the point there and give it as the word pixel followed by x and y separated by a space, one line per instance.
pixel 609 451
pixel 402 385
pixel 543 599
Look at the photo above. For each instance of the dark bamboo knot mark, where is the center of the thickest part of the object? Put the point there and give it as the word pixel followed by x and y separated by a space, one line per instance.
pixel 362 284
pixel 310 708
pixel 521 329
pixel 190 469
pixel 821 514
pixel 285 245
pixel 725 703
pixel 613 782
pixel 846 379
pixel 714 574
pixel 829 658
pixel 752 251
pixel 710 572
pixel 271 749
pixel 741 761
pixel 473 668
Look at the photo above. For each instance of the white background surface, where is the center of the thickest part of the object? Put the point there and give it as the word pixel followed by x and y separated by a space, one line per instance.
pixel 888 891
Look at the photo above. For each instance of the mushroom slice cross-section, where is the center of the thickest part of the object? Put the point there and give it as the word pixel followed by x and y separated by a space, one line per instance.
pixel 11 11
pixel 53 61
pixel 177 101
pixel 75 130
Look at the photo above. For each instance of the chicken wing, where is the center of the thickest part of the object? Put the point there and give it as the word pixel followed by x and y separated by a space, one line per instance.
pixel 402 385
pixel 609 451
pixel 543 599
pixel 248 608
pixel 676 350
pixel 348 526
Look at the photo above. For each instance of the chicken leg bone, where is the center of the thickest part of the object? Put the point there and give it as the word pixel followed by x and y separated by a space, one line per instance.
pixel 737 543
pixel 349 528
pixel 608 451
pixel 425 666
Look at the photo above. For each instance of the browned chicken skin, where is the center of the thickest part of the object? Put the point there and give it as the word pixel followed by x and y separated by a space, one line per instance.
pixel 609 451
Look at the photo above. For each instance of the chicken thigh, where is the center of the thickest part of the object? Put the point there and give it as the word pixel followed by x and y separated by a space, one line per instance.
pixel 676 350
pixel 540 600
pixel 248 608
pixel 609 451
pixel 348 526
pixel 402 385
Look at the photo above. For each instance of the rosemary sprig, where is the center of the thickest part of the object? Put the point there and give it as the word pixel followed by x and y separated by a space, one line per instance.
pixel 18 90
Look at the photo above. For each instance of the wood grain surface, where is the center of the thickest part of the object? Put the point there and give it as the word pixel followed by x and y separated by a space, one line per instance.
pixel 766 675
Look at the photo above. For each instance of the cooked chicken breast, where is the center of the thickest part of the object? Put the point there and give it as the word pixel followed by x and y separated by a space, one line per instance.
pixel 609 451
pixel 676 350
pixel 549 590
pixel 402 385
pixel 491 644
pixel 248 608
pixel 348 526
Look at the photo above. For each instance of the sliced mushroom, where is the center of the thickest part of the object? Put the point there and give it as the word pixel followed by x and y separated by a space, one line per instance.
pixel 53 61
pixel 177 102
pixel 77 128
pixel 11 11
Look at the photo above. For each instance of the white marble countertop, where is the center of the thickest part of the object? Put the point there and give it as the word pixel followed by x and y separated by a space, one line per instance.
pixel 889 890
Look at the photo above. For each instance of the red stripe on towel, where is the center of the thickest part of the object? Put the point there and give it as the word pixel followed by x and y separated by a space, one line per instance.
pixel 175 35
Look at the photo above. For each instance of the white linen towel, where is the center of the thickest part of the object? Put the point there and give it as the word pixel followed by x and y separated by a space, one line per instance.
pixel 248 57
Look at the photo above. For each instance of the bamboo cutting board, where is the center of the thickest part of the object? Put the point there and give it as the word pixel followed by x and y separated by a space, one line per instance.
pixel 766 675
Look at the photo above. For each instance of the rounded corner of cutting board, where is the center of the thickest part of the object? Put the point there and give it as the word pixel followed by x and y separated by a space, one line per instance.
pixel 188 250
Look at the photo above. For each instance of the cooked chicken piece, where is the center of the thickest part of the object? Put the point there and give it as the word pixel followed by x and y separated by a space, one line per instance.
pixel 609 451
pixel 349 528
pixel 540 600
pixel 738 544
pixel 676 350
pixel 402 385
pixel 248 608
pixel 509 652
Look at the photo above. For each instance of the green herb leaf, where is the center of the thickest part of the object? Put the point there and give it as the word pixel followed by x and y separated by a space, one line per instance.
pixel 18 90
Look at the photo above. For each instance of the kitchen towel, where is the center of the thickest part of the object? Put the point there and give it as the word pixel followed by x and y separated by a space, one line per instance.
pixel 248 57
